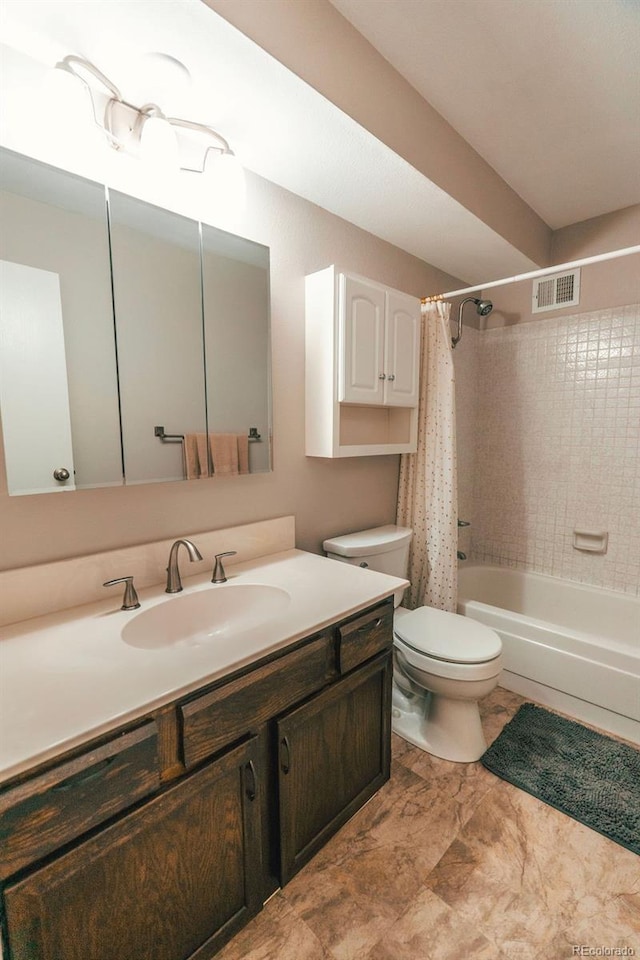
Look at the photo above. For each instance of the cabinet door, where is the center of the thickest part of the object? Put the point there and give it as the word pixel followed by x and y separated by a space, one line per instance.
pixel 402 350
pixel 333 754
pixel 173 880
pixel 362 342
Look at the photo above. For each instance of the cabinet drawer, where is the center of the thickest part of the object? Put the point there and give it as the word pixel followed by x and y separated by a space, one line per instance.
pixel 364 636
pixel 46 812
pixel 212 721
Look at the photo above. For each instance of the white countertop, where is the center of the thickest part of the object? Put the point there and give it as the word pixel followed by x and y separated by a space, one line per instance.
pixel 68 677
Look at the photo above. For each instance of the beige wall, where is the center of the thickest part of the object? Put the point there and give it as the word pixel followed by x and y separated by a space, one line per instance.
pixel 610 283
pixel 611 231
pixel 327 497
pixel 317 43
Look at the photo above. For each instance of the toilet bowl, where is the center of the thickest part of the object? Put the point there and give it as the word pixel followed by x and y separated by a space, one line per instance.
pixel 443 663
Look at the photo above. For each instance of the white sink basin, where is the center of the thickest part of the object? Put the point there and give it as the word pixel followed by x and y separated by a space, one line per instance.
pixel 198 619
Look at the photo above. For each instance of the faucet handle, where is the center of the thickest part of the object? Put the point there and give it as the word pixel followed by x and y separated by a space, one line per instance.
pixel 219 576
pixel 130 600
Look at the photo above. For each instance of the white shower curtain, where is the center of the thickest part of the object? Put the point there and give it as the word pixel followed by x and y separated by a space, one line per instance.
pixel 427 495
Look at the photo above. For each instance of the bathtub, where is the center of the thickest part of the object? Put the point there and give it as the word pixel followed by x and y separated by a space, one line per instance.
pixel 567 645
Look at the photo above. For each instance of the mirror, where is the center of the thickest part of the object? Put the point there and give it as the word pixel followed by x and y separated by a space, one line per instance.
pixel 58 378
pixel 183 388
pixel 158 310
pixel 235 285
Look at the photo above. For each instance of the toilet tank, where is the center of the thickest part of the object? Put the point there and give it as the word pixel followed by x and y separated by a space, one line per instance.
pixel 385 549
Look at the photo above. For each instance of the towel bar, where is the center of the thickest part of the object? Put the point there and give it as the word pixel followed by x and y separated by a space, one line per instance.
pixel 253 437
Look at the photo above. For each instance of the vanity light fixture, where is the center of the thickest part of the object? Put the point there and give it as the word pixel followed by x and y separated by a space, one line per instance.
pixel 146 131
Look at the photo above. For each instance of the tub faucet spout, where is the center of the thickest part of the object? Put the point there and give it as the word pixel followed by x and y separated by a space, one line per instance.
pixel 174 583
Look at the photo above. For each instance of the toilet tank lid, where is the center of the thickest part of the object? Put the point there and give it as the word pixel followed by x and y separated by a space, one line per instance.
pixel 369 542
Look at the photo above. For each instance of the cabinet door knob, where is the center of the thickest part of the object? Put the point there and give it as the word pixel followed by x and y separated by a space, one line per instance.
pixel 382 376
pixel 391 376
pixel 285 756
pixel 61 474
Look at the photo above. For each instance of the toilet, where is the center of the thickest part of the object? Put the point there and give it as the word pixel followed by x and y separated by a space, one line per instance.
pixel 443 663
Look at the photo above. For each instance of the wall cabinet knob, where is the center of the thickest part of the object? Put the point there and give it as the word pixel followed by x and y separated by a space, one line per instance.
pixel 61 474
pixel 382 376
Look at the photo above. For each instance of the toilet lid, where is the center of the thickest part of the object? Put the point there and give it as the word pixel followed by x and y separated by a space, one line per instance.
pixel 448 636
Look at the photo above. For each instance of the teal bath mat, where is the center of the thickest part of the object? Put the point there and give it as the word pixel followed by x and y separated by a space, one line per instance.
pixel 580 772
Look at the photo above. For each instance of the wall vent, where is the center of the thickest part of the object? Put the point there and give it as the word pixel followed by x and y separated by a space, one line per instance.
pixel 556 291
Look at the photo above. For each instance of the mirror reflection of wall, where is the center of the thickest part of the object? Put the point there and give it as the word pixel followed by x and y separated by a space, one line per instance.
pixel 190 308
pixel 235 281
pixel 56 222
pixel 158 309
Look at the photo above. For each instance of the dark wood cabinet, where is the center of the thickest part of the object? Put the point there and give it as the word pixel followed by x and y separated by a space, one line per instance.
pixel 333 754
pixel 159 841
pixel 174 879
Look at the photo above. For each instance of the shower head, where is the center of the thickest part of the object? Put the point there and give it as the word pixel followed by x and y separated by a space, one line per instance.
pixel 484 307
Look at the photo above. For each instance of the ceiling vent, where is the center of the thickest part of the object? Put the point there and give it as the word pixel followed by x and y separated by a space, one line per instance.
pixel 557 291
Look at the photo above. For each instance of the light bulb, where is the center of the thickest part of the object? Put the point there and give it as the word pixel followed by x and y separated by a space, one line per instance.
pixel 226 178
pixel 158 143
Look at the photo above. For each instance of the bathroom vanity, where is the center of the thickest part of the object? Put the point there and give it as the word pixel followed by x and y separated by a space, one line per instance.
pixel 163 835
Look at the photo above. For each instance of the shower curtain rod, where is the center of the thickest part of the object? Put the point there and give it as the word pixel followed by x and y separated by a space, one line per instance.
pixel 624 252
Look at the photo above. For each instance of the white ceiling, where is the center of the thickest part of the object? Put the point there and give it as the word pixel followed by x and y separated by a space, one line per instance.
pixel 288 133
pixel 546 91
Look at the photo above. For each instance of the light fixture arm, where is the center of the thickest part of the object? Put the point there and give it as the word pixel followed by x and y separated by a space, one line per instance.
pixel 123 122
pixel 69 63
pixel 222 145
pixel 73 64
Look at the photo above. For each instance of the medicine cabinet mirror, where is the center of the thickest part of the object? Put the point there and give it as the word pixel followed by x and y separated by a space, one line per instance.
pixel 124 328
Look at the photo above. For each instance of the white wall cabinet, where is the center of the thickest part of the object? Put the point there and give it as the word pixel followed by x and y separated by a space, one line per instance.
pixel 362 367
pixel 379 333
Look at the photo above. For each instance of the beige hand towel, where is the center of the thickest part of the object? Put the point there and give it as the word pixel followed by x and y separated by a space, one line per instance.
pixel 196 463
pixel 224 453
pixel 190 454
pixel 203 454
pixel 243 453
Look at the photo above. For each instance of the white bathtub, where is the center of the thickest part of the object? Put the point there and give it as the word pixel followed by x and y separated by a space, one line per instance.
pixel 567 645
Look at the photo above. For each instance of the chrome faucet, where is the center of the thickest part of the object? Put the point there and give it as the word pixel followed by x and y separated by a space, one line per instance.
pixel 174 583
pixel 219 576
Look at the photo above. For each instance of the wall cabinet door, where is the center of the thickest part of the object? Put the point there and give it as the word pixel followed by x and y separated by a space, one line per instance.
pixel 380 342
pixel 172 880
pixel 333 754
pixel 362 309
pixel 402 351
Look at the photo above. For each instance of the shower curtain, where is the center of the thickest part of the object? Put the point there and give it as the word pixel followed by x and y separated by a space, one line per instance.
pixel 427 494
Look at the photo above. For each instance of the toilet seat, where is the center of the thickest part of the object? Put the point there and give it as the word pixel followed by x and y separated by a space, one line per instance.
pixel 447 637
pixel 447 669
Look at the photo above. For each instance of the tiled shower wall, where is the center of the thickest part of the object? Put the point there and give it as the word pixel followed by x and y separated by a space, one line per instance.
pixel 549 441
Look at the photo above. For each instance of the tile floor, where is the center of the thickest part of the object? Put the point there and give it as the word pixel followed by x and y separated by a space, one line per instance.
pixel 448 862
